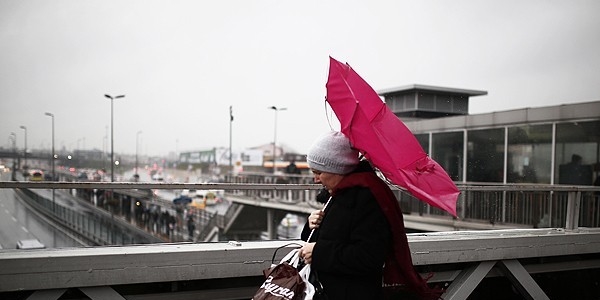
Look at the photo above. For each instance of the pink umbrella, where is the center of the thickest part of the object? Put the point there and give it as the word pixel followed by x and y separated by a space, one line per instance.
pixel 385 141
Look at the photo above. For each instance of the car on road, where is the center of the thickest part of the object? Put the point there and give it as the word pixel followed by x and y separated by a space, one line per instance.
pixel 210 197
pixel 36 175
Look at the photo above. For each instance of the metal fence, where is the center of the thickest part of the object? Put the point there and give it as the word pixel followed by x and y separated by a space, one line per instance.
pixel 455 257
pixel 96 228
pixel 526 205
pixel 519 206
pixel 536 206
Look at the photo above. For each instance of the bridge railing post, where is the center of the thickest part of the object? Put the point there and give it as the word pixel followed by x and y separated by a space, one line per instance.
pixel 573 205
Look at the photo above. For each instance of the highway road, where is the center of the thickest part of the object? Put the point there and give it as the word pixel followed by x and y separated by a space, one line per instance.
pixel 18 221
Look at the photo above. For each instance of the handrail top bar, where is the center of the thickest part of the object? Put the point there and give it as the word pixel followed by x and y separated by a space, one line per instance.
pixel 156 186
pixel 529 187
pixel 270 186
pixel 184 247
pixel 138 249
pixel 497 233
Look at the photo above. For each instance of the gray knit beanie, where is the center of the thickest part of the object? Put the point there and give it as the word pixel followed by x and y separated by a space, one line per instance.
pixel 332 153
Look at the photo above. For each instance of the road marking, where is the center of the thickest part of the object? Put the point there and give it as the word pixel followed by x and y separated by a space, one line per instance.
pixel 7 212
pixel 24 229
pixel 14 219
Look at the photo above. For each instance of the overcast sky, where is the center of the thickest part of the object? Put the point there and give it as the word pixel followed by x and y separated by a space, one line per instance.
pixel 181 64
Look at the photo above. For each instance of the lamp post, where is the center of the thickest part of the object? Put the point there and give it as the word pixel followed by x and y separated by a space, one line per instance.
pixel 276 109
pixel 112 142
pixel 52 157
pixel 25 150
pixel 230 153
pixel 137 142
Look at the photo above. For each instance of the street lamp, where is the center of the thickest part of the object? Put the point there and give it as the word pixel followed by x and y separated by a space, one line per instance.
pixel 112 142
pixel 25 150
pixel 137 142
pixel 230 136
pixel 275 136
pixel 52 157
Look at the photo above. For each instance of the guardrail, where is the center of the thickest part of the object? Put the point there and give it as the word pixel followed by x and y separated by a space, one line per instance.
pixel 520 205
pixel 459 260
pixel 95 227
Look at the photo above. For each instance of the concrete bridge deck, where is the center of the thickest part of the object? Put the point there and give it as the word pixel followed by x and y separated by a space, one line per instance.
pixel 458 260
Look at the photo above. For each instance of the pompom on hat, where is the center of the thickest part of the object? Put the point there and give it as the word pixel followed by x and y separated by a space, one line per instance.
pixel 332 153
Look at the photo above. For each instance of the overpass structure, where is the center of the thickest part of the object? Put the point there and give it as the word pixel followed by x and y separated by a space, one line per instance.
pixel 536 262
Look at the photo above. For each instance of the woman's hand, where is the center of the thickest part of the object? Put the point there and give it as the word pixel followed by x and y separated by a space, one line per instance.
pixel 314 220
pixel 306 252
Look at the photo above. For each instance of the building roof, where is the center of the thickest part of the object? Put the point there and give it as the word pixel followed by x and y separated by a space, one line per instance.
pixel 430 88
pixel 528 115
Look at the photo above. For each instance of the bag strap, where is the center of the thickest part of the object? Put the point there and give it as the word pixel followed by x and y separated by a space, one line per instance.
pixel 280 247
pixel 313 276
pixel 313 230
pixel 292 258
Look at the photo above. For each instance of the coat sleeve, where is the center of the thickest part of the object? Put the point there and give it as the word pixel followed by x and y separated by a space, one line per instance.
pixel 365 245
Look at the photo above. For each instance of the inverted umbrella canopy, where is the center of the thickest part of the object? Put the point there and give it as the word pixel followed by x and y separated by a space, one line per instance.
pixel 385 141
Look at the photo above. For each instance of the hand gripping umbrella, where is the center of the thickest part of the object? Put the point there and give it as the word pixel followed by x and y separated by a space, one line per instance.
pixel 385 141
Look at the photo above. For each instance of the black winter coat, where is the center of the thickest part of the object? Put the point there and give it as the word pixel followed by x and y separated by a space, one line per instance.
pixel 351 246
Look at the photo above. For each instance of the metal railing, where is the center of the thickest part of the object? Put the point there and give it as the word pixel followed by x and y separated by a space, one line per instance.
pixel 96 228
pixel 228 271
pixel 520 206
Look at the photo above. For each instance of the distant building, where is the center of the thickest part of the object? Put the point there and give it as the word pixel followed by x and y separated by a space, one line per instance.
pixel 284 156
pixel 419 101
pixel 255 159
pixel 216 159
pixel 529 145
pixel 93 154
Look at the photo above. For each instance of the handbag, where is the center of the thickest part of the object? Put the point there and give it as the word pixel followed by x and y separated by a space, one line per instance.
pixel 283 281
pixel 309 289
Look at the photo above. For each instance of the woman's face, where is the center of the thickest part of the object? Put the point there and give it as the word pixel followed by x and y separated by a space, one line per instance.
pixel 328 180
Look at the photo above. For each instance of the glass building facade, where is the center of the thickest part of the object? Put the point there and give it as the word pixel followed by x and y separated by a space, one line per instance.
pixel 538 146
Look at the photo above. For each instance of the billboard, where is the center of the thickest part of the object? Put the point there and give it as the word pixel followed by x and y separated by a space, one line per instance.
pixel 220 157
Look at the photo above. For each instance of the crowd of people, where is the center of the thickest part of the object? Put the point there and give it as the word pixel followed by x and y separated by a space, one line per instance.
pixel 154 220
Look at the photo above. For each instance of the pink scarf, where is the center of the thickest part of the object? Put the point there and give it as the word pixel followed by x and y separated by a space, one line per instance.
pixel 398 269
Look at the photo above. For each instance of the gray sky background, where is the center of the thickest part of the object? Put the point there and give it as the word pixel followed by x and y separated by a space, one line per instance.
pixel 181 64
